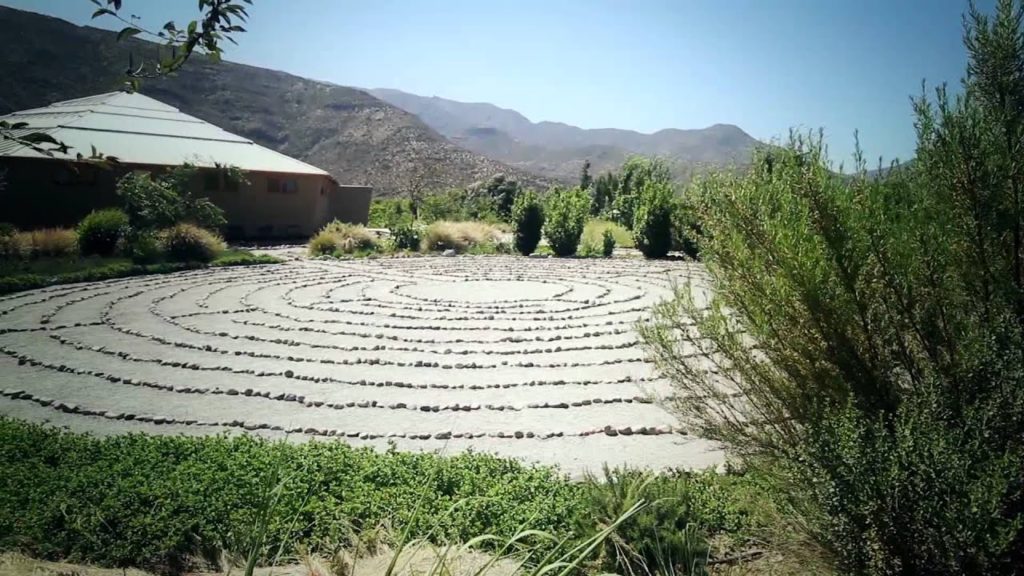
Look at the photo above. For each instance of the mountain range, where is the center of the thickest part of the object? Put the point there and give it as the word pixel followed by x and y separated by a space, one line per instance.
pixel 391 140
pixel 558 150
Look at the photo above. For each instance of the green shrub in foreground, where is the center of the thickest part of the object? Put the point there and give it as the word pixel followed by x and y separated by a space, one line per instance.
pixel 527 222
pixel 100 232
pixel 564 218
pixel 652 219
pixel 607 243
pixel 153 500
pixel 406 237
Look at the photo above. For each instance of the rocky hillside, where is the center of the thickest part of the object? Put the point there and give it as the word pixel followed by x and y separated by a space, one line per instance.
pixel 558 150
pixel 352 134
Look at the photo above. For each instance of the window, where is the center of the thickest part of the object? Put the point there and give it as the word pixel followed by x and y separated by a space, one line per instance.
pixel 282 186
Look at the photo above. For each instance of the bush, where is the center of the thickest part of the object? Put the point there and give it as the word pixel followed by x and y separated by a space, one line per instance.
pixel 406 237
pixel 190 243
pixel 652 220
pixel 686 229
pixel 663 538
pixel 565 215
pixel 51 243
pixel 349 238
pixel 323 244
pixel 101 231
pixel 143 248
pixel 527 222
pixel 458 206
pixel 13 246
pixel 458 236
pixel 607 243
pixel 157 501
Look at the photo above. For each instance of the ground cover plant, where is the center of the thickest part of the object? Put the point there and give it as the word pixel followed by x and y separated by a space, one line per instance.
pixel 154 501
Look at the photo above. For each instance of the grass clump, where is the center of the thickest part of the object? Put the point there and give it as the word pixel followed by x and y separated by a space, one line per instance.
pixel 50 243
pixel 190 243
pixel 458 236
pixel 102 231
pixel 342 238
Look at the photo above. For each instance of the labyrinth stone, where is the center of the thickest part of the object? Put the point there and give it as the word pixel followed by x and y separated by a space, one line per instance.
pixel 407 346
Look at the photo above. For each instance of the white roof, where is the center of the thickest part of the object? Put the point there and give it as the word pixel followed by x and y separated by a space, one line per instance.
pixel 137 129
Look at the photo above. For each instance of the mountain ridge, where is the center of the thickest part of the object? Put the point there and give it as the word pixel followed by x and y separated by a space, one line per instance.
pixel 558 150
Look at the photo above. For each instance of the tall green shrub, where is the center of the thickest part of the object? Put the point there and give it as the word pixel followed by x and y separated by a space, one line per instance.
pixel 865 338
pixel 652 221
pixel 528 221
pixel 101 231
pixel 564 217
pixel 160 201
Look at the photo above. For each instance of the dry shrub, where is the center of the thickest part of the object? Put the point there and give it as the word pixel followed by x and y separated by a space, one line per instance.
pixel 190 243
pixel 342 237
pixel 323 244
pixel 13 245
pixel 50 243
pixel 458 236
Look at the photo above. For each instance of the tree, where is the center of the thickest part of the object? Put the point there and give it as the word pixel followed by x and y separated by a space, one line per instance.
pixel 603 193
pixel 503 191
pixel 585 179
pixel 864 341
pixel 154 202
pixel 636 172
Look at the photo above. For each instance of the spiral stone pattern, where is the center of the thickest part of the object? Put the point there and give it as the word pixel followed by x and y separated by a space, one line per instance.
pixel 530 358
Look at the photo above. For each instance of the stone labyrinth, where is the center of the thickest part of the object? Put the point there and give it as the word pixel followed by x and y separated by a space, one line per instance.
pixel 530 358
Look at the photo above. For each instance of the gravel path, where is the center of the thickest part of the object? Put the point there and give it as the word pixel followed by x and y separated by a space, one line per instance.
pixel 530 358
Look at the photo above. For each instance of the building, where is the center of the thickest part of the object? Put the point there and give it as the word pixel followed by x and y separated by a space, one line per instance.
pixel 281 196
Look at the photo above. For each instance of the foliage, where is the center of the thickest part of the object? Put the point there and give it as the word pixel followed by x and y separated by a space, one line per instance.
pixel 101 231
pixel 503 192
pixel 686 228
pixel 190 243
pixel 603 193
pixel 585 178
pixel 144 248
pixel 652 220
pixel 865 337
pixel 459 206
pixel 96 269
pixel 49 243
pixel 159 201
pixel 458 236
pixel 634 176
pixel 607 243
pixel 527 222
pixel 154 501
pixel 406 237
pixel 391 213
pixel 564 217
pixel 217 23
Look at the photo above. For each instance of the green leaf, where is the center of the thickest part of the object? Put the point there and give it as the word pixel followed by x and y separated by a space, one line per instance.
pixel 192 28
pixel 97 2
pixel 127 32
pixel 18 125
pixel 103 12
pixel 41 138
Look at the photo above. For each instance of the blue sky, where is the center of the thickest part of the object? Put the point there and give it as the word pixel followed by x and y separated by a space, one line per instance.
pixel 764 65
